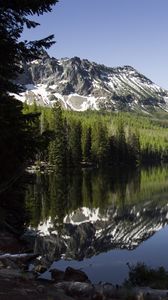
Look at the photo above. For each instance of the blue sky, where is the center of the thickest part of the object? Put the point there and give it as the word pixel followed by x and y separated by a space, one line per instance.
pixel 111 32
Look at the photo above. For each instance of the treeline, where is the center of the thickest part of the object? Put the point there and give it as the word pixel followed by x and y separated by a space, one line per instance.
pixel 68 139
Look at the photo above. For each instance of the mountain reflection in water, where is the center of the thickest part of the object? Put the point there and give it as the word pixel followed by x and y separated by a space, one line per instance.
pixel 93 211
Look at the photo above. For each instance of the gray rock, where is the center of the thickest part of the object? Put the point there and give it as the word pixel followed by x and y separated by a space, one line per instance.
pixel 79 289
pixel 57 275
pixel 40 268
pixel 59 294
pixel 72 274
pixel 10 273
pixel 121 88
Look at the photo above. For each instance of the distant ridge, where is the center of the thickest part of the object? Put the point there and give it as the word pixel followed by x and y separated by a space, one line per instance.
pixel 80 85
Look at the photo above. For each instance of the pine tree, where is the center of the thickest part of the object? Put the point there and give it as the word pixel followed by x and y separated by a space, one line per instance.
pixel 57 149
pixel 100 144
pixel 16 136
pixel 133 147
pixel 121 142
pixel 75 142
pixel 87 144
pixel 13 17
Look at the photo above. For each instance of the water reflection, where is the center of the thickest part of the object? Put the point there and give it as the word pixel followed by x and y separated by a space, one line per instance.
pixel 13 216
pixel 56 195
pixel 84 214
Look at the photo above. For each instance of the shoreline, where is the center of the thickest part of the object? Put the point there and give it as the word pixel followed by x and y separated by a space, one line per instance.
pixel 17 282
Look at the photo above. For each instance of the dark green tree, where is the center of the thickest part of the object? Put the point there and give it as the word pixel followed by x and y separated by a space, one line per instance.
pixel 87 144
pixel 16 137
pixel 100 144
pixel 121 142
pixel 133 147
pixel 57 147
pixel 75 142
pixel 14 15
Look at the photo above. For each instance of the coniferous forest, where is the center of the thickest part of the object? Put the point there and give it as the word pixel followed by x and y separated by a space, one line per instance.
pixel 72 139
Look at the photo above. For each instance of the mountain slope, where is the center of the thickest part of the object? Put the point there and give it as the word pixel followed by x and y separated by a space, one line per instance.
pixel 80 85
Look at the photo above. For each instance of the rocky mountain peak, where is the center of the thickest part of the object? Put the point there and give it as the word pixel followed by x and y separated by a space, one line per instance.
pixel 80 84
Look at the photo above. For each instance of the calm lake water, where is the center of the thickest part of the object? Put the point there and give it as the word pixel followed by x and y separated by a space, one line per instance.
pixel 100 220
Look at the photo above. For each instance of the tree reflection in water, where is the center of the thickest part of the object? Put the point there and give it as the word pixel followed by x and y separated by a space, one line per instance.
pixel 56 195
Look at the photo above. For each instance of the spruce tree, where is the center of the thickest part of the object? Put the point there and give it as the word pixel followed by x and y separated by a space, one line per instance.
pixel 16 137
pixel 57 149
pixel 100 144
pixel 87 144
pixel 133 147
pixel 75 143
pixel 14 15
pixel 121 142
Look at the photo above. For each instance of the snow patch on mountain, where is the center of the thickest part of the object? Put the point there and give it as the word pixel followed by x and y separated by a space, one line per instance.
pixel 80 85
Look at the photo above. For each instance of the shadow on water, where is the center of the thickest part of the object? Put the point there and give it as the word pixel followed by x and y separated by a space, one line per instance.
pixel 13 216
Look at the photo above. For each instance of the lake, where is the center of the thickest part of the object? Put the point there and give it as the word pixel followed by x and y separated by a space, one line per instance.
pixel 100 220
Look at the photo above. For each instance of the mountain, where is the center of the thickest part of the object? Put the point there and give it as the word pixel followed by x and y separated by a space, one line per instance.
pixel 80 85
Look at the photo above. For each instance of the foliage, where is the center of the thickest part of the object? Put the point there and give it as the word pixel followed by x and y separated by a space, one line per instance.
pixel 57 146
pixel 75 142
pixel 14 16
pixel 110 138
pixel 18 136
pixel 18 132
pixel 142 275
pixel 87 143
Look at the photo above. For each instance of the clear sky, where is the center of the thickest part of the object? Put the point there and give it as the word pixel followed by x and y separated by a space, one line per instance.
pixel 111 32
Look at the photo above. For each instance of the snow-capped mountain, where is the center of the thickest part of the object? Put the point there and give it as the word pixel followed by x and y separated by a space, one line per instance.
pixel 80 85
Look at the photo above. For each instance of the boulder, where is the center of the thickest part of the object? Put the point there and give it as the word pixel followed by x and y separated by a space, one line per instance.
pixel 57 275
pixel 77 289
pixel 72 274
pixel 40 268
